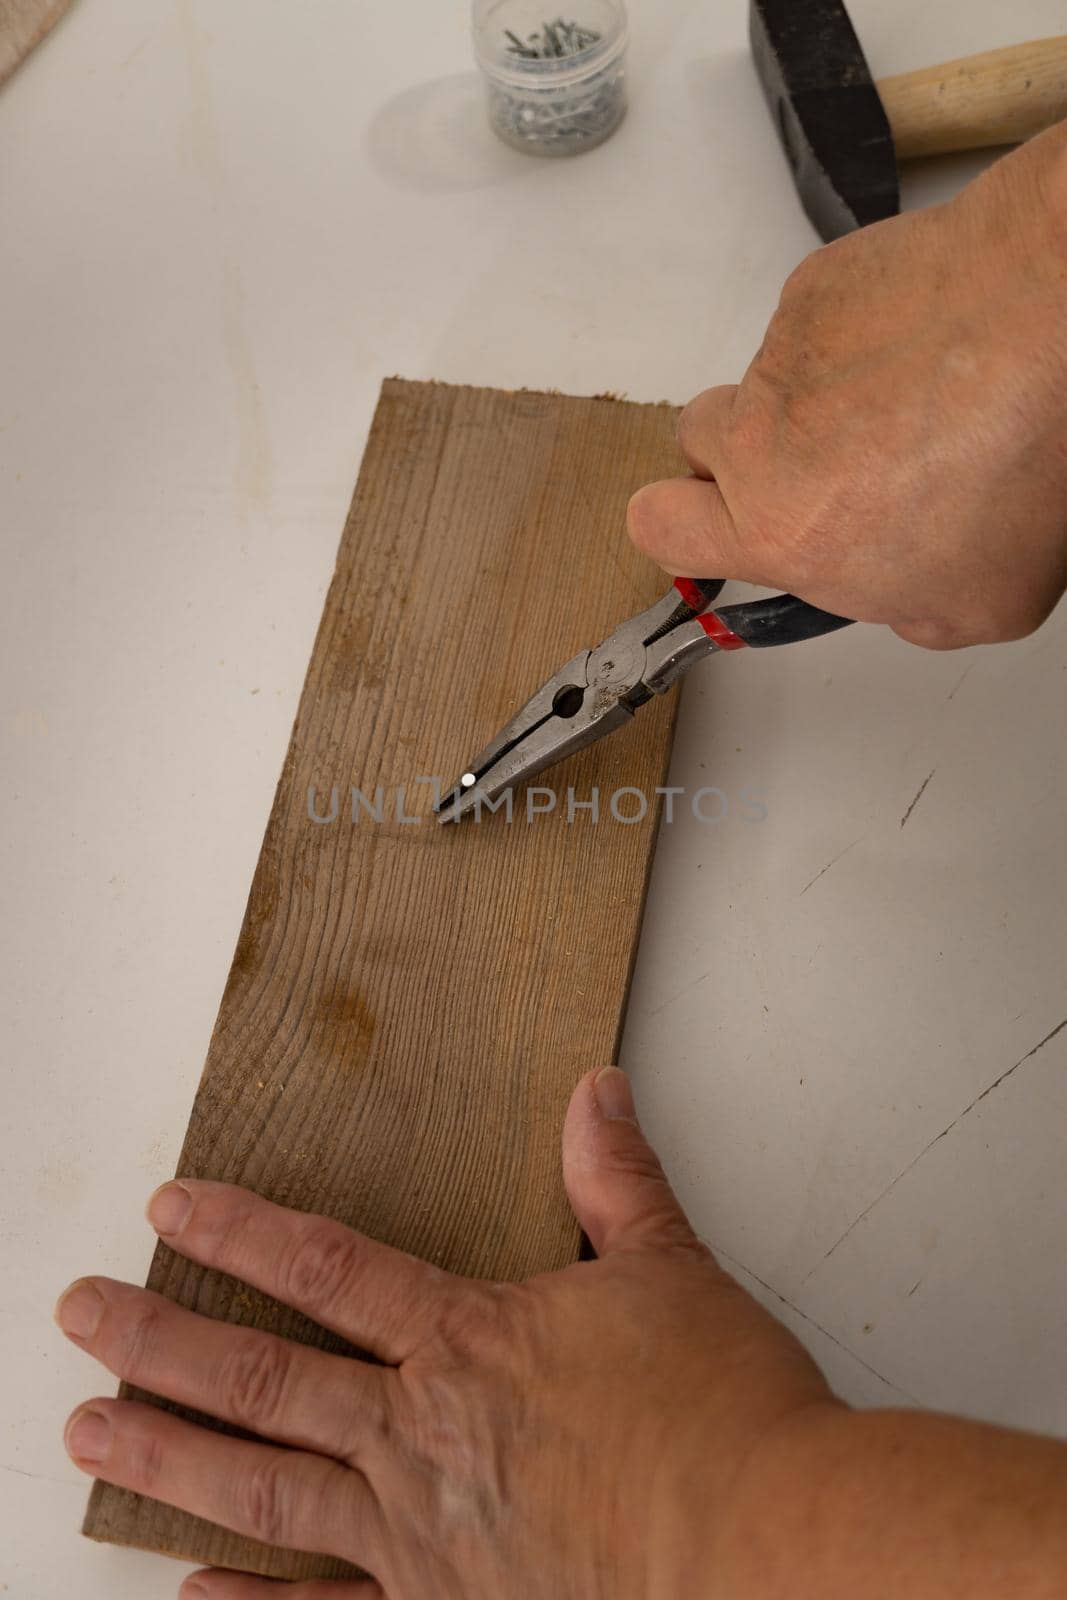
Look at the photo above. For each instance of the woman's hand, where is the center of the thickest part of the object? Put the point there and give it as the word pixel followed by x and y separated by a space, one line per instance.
pixel 897 451
pixel 596 1432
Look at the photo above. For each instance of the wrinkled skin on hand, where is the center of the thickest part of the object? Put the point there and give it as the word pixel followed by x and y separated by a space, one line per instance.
pixel 897 452
pixel 589 1435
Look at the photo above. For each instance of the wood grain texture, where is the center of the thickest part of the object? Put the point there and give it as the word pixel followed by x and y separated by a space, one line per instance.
pixel 23 24
pixel 410 1006
pixel 999 97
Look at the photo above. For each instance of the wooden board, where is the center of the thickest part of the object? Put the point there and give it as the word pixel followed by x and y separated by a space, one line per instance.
pixel 410 1005
pixel 23 24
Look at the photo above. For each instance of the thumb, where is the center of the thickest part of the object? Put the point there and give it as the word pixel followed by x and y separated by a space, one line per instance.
pixel 685 525
pixel 614 1181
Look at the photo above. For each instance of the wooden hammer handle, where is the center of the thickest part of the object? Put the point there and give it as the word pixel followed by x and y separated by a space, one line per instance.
pixel 1001 97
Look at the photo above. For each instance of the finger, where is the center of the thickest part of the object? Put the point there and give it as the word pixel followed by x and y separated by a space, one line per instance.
pixel 378 1298
pixel 267 1385
pixel 702 427
pixel 614 1180
pixel 684 525
pixel 934 635
pixel 214 1584
pixel 287 1498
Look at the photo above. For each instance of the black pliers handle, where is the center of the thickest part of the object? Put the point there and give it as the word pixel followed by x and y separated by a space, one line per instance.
pixel 599 690
pixel 783 619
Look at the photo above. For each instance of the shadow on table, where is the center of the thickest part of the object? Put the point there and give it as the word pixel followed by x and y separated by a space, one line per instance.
pixel 435 137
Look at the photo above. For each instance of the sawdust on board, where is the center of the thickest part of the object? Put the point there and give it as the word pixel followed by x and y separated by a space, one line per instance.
pixel 605 394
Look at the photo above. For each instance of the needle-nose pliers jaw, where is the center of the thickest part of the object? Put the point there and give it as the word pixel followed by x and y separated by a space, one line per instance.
pixel 599 690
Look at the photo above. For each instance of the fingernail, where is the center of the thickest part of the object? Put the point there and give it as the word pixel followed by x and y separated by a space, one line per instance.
pixel 169 1208
pixel 89 1437
pixel 79 1311
pixel 192 1589
pixel 614 1095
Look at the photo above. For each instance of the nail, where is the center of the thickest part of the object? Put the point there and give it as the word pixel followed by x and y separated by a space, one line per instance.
pixel 169 1208
pixel 192 1589
pixel 614 1095
pixel 79 1311
pixel 89 1437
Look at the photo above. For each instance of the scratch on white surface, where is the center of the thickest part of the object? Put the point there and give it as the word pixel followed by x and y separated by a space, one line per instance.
pixel 918 797
pixel 127 61
pixel 1040 1045
pixel 40 1477
pixel 675 997
pixel 959 683
pixel 831 863
pixel 725 1256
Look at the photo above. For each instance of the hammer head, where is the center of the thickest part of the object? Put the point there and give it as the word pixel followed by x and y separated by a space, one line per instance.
pixel 827 111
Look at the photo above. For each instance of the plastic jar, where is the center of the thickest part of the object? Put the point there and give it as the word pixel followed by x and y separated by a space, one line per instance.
pixel 556 86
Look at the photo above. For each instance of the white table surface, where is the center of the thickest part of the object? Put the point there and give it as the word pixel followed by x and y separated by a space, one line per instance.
pixel 220 226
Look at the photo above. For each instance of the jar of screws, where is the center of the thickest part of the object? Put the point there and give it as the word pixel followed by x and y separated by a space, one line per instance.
pixel 556 87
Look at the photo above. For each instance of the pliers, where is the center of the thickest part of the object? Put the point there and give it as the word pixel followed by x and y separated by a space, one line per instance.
pixel 601 689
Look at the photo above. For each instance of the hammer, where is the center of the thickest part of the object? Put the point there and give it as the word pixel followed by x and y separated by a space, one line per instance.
pixel 843 133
